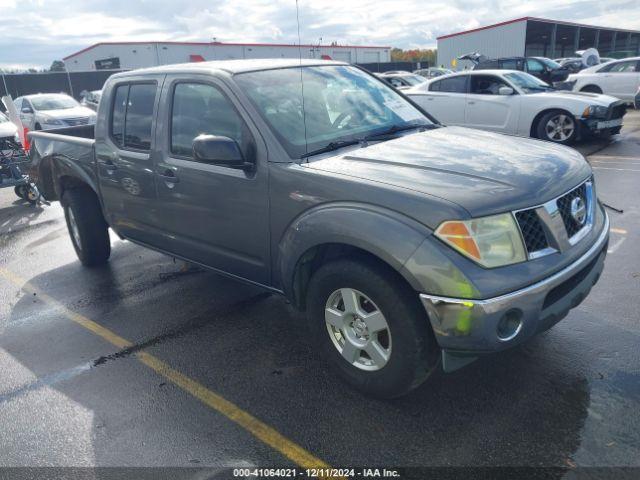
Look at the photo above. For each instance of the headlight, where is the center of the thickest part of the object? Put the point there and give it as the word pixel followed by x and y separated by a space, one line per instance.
pixel 595 111
pixel 51 121
pixel 492 241
pixel 16 138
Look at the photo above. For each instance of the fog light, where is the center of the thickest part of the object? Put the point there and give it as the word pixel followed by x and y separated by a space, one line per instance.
pixel 509 325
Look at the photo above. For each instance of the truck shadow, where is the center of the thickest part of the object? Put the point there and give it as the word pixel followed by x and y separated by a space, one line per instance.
pixel 524 407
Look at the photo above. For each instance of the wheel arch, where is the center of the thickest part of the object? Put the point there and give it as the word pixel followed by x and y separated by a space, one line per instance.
pixel 345 230
pixel 536 120
pixel 591 87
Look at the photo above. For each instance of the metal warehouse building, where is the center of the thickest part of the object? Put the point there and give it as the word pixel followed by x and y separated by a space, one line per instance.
pixel 539 37
pixel 131 55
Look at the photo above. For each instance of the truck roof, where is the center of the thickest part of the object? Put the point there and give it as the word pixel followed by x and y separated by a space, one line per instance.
pixel 231 66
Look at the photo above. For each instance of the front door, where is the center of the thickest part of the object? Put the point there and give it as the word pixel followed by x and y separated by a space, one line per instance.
pixel 487 109
pixel 123 151
pixel 215 215
pixel 621 80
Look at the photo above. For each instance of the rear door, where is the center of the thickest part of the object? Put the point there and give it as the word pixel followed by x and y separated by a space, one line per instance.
pixel 487 109
pixel 445 99
pixel 212 214
pixel 123 149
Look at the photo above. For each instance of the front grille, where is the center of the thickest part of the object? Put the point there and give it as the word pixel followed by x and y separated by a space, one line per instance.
pixel 564 206
pixel 532 231
pixel 77 121
pixel 618 111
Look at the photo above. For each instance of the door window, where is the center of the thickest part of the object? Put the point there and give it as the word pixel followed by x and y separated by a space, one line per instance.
pixel 621 67
pixel 486 85
pixel 534 66
pixel 203 109
pixel 452 84
pixel 132 115
pixel 512 64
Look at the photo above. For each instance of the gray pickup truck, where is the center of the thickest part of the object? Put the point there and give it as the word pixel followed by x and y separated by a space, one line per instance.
pixel 408 243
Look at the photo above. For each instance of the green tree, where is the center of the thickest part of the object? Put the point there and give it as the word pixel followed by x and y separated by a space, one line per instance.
pixel 57 66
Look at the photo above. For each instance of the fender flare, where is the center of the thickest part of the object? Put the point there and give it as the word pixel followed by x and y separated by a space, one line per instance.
pixel 388 235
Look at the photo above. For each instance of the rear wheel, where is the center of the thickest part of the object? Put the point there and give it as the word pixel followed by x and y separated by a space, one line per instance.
pixel 371 327
pixel 558 127
pixel 87 228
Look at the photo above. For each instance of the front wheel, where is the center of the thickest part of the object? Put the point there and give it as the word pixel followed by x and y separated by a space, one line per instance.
pixel 87 228
pixel 558 127
pixel 371 327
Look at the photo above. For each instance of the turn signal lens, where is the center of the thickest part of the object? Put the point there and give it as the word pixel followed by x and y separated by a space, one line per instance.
pixel 490 241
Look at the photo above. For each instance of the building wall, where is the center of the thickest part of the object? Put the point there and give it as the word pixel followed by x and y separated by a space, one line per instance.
pixel 500 41
pixel 133 56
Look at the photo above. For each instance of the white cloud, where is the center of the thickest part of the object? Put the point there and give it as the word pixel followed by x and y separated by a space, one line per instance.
pixel 36 32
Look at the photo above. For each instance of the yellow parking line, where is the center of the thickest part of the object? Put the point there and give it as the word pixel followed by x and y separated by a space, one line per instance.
pixel 618 230
pixel 257 428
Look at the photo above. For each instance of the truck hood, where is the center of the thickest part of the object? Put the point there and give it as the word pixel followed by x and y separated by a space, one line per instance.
pixel 483 172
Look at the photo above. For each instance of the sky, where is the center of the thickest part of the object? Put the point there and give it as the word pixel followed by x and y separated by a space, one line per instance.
pixel 33 33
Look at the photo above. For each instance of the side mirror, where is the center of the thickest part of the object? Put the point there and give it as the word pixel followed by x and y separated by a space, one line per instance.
pixel 27 110
pixel 505 91
pixel 219 150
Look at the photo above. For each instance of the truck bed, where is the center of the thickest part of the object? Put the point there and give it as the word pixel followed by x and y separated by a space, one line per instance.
pixel 64 149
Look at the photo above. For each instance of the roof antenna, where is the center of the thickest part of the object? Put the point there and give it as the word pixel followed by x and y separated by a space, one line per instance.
pixel 304 115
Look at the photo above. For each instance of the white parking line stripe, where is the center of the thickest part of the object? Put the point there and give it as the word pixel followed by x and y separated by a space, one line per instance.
pixel 616 245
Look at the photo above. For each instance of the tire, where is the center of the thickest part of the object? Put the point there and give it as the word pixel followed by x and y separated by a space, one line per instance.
pixel 591 89
pixel 21 191
pixel 87 228
pixel 32 194
pixel 564 132
pixel 406 350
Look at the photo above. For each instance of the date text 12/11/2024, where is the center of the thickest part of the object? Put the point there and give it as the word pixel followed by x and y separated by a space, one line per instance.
pixel 325 473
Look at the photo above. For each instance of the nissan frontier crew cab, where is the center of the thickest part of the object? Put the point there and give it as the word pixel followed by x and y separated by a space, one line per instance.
pixel 408 243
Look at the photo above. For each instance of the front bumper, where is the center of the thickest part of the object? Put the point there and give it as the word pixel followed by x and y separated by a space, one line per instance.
pixel 472 327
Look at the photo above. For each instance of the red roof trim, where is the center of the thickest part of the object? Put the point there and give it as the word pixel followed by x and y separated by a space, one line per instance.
pixel 222 44
pixel 535 19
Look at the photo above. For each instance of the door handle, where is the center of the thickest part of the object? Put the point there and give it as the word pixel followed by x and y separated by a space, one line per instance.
pixel 471 102
pixel 169 176
pixel 108 165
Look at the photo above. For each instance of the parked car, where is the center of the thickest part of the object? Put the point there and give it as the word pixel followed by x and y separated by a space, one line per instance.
pixel 618 78
pixel 91 99
pixel 402 239
pixel 8 132
pixel 402 80
pixel 44 111
pixel 509 101
pixel 543 68
pixel 573 64
pixel 433 72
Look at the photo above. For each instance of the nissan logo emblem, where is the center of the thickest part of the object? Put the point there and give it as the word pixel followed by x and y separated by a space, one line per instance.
pixel 579 210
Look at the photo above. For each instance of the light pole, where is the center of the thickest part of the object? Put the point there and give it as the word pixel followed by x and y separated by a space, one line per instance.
pixel 68 77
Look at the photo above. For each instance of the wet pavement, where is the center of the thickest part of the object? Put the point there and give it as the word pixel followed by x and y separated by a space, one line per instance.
pixel 72 394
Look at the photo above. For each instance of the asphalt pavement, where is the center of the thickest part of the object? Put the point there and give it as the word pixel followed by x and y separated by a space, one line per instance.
pixel 148 362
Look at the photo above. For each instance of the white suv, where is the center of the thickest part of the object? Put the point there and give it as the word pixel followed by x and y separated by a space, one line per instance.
pixel 619 78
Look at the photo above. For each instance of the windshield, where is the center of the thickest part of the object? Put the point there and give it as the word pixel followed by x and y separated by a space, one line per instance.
pixel 413 79
pixel 527 83
pixel 53 102
pixel 341 104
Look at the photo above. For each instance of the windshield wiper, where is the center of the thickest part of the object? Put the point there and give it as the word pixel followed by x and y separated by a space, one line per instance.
pixel 335 145
pixel 393 129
